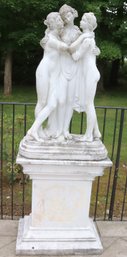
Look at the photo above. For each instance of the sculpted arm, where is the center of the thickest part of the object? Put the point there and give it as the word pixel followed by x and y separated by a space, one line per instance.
pixel 53 43
pixel 57 44
pixel 81 50
pixel 76 44
pixel 96 51
pixel 43 42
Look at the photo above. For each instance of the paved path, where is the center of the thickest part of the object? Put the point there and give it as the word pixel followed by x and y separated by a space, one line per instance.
pixel 113 236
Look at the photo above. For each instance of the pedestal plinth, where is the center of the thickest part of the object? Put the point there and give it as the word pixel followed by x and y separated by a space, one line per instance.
pixel 59 222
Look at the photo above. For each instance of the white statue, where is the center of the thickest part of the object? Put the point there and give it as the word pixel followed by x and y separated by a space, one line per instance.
pixel 83 50
pixel 47 73
pixel 67 76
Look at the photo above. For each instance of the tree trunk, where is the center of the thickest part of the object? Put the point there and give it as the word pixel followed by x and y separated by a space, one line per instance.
pixel 8 74
pixel 103 69
pixel 101 81
pixel 113 80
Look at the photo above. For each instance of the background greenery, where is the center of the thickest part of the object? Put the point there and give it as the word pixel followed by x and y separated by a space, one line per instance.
pixel 21 28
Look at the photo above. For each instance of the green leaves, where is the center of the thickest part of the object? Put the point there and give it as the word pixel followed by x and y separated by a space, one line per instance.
pixel 111 33
pixel 21 27
pixel 110 50
pixel 21 23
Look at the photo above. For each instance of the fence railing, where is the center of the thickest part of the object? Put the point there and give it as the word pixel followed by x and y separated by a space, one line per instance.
pixel 109 194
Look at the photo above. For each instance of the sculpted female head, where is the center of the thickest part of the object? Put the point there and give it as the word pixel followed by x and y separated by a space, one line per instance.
pixel 88 21
pixel 68 14
pixel 54 21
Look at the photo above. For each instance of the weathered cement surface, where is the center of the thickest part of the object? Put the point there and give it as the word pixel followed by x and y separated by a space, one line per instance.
pixel 113 236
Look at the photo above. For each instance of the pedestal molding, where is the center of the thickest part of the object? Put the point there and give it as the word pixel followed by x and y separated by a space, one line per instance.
pixel 71 149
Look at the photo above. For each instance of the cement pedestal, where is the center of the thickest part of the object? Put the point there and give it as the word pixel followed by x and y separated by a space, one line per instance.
pixel 59 222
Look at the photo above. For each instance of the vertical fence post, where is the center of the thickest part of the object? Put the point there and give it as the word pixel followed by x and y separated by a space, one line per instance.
pixel 104 123
pixel 23 176
pixel 123 205
pixel 112 155
pixel 98 180
pixel 1 163
pixel 112 202
pixel 81 126
pixel 12 159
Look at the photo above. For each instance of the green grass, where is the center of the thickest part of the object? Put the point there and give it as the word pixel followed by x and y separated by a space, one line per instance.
pixel 28 94
pixel 20 94
pixel 113 98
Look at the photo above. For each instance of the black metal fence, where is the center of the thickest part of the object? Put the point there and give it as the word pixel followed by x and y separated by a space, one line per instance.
pixel 109 194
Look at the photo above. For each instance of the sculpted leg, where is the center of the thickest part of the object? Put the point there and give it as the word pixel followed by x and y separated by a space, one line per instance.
pixel 92 130
pixel 42 87
pixel 51 127
pixel 96 131
pixel 38 109
pixel 42 116
pixel 91 119
pixel 61 116
pixel 69 108
pixel 42 91
pixel 68 116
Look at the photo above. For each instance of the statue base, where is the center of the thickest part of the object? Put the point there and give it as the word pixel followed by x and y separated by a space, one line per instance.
pixel 71 149
pixel 59 222
pixel 57 241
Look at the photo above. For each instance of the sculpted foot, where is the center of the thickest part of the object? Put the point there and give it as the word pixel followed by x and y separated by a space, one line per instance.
pixel 87 138
pixel 58 134
pixel 61 138
pixel 33 135
pixel 97 135
pixel 67 135
pixel 48 134
pixel 42 134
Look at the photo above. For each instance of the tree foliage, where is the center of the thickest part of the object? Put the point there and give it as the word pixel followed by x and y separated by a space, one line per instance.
pixel 21 26
pixel 21 21
pixel 112 27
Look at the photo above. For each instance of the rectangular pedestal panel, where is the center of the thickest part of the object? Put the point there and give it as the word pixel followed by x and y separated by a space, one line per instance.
pixel 60 203
pixel 51 241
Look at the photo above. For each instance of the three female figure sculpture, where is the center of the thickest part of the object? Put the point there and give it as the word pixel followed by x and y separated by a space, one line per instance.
pixel 67 76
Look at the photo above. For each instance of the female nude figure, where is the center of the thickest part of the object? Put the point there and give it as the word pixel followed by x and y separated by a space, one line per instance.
pixel 68 66
pixel 47 74
pixel 83 49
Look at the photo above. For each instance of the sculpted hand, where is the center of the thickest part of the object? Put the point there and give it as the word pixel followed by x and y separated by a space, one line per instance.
pixel 64 47
pixel 43 43
pixel 96 51
pixel 76 56
pixel 70 49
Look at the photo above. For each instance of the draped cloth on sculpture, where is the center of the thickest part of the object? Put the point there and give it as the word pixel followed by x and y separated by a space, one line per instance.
pixel 80 89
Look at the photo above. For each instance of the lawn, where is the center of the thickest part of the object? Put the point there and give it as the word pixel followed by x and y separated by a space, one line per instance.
pixel 28 94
